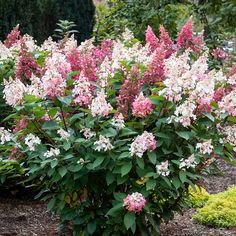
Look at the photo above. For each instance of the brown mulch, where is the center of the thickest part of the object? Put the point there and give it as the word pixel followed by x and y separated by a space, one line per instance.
pixel 183 225
pixel 22 216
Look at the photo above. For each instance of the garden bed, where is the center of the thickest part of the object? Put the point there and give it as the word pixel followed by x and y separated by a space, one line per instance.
pixel 21 216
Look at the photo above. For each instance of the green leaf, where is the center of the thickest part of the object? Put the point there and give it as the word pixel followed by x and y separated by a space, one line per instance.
pixel 50 125
pixel 182 176
pixel 152 157
pixel 184 134
pixel 110 178
pixel 51 204
pixel 125 169
pixel 54 163
pixel 209 116
pixel 62 171
pixel 119 196
pixel 128 132
pixel 91 227
pixel 98 161
pixel 124 155
pixel 150 184
pixel 162 135
pixel 231 119
pixel 156 99
pixel 140 162
pixel 176 182
pixel 129 219
pixel 115 209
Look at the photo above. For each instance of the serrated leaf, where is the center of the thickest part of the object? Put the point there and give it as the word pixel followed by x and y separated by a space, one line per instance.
pixel 91 227
pixel 152 157
pixel 150 184
pixel 182 176
pixel 50 125
pixel 115 209
pixel 98 161
pixel 125 169
pixel 51 204
pixel 129 220
pixel 62 171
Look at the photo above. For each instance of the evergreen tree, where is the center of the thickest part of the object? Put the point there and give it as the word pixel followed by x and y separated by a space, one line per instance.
pixel 39 17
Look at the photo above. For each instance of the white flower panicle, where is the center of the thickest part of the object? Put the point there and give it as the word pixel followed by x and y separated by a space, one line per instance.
pixel 32 141
pixel 64 134
pixel 190 162
pixel 142 143
pixel 163 168
pixel 88 133
pixel 100 106
pixel 184 113
pixel 205 147
pixel 103 144
pixel 118 121
pixel 36 87
pixel 53 152
pixel 13 91
pixel 5 135
pixel 229 135
pixel 5 52
pixel 81 91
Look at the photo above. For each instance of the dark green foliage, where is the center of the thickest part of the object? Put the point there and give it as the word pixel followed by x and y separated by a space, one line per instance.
pixel 216 17
pixel 39 17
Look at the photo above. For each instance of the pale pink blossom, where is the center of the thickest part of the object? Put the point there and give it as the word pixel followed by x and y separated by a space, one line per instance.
pixel 103 144
pixel 13 91
pixel 5 135
pixel 99 105
pixel 205 147
pixel 82 91
pixel 228 103
pixel 134 202
pixel 142 106
pixel 163 168
pixel 118 121
pixel 143 143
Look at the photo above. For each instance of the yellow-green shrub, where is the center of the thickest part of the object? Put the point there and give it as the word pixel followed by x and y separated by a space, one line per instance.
pixel 220 210
pixel 198 196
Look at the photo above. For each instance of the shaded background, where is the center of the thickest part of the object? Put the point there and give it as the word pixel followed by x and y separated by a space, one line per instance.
pixel 38 18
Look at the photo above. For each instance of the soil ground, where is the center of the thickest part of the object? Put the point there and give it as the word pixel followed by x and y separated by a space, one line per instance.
pixel 22 216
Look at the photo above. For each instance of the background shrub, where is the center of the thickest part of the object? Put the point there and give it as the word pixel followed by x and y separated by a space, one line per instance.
pixel 38 18
pixel 198 196
pixel 215 17
pixel 220 210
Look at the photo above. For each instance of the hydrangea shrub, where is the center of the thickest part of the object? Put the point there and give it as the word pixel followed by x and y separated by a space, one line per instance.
pixel 117 133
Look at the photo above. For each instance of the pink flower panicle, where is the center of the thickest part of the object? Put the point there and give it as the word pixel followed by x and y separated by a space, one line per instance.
pixel 219 94
pixel 129 90
pixel 13 37
pixel 218 53
pixel 166 41
pixel 152 39
pixel 187 40
pixel 20 125
pixel 155 72
pixel 27 65
pixel 134 202
pixel 142 106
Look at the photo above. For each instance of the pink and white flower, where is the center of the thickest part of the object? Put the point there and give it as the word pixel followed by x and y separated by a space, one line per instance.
pixel 134 202
pixel 142 106
pixel 143 143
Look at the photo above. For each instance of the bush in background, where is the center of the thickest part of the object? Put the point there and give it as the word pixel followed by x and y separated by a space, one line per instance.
pixel 220 210
pixel 39 17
